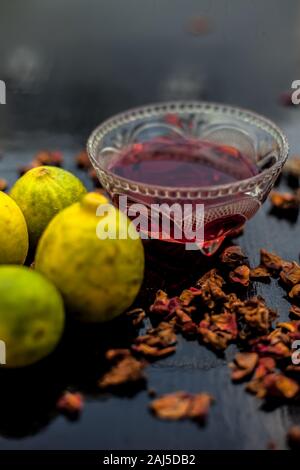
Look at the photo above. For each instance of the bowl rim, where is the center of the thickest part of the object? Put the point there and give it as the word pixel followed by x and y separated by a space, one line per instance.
pixel 209 107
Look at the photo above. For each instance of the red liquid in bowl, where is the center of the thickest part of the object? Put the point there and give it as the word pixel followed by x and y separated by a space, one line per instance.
pixel 182 163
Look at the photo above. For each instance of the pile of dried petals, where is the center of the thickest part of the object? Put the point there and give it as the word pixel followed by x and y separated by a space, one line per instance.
pixel 44 157
pixel 219 317
pixel 211 312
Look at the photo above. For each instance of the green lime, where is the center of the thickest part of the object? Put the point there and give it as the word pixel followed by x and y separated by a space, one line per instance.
pixel 13 232
pixel 31 315
pixel 98 278
pixel 43 192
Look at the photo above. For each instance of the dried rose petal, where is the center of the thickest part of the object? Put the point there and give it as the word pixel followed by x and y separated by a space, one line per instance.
pixel 225 322
pixel 70 402
pixel 294 330
pixel 276 344
pixel 217 339
pixel 292 166
pixel 182 405
pixel 126 370
pixel 200 406
pixel 163 305
pixel 57 159
pixel 274 385
pixel 151 351
pixel 281 386
pixel 188 295
pixel 256 314
pixel 211 287
pixel 189 328
pixel 243 365
pixel 271 261
pixel 3 184
pixel 293 437
pixel 213 276
pixel 256 387
pixel 240 275
pixel 182 316
pixel 158 342
pixel 278 349
pixel 198 25
pixel 264 366
pixel 163 336
pixel 83 161
pixel 232 302
pixel 284 201
pixel 218 330
pixel 137 316
pixel 290 273
pixel 172 406
pixel 43 157
pixel 290 326
pixel 46 157
pixel 178 309
pixel 233 256
pixel 285 98
pixel 117 354
pixel 295 310
pixel 260 272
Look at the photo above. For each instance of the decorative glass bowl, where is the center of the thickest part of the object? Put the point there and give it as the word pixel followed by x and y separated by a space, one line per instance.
pixel 226 206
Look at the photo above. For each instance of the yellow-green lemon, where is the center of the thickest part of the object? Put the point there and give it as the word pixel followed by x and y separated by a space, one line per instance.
pixel 98 277
pixel 43 192
pixel 31 315
pixel 13 232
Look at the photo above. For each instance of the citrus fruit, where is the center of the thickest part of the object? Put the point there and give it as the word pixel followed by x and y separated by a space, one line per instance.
pixel 31 315
pixel 43 192
pixel 98 278
pixel 13 232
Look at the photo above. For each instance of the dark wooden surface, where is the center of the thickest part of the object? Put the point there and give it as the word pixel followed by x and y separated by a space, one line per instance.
pixel 237 68
pixel 28 419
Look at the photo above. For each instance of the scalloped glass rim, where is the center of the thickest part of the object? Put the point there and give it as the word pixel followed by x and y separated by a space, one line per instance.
pixel 159 109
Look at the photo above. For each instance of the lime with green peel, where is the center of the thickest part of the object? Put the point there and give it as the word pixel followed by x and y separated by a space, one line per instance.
pixel 98 276
pixel 43 192
pixel 13 232
pixel 31 315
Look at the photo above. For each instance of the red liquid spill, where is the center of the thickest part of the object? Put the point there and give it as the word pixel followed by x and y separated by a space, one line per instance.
pixel 188 163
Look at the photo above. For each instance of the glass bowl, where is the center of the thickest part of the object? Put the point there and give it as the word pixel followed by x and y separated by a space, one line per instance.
pixel 226 206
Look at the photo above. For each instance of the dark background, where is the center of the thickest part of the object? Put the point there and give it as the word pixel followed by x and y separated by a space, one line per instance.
pixel 68 65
